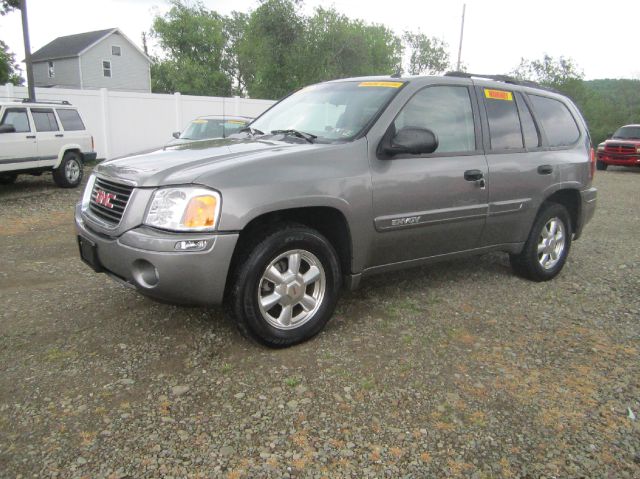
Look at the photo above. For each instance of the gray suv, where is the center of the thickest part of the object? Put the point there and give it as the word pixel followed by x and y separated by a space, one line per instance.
pixel 338 181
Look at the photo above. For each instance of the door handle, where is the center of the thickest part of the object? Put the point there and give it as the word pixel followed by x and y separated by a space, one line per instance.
pixel 31 137
pixel 59 135
pixel 473 175
pixel 545 169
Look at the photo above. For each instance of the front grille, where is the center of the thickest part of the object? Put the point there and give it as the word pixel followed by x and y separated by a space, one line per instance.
pixel 620 149
pixel 109 199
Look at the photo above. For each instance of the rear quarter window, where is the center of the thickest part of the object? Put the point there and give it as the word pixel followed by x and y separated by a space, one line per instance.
pixel 70 120
pixel 556 119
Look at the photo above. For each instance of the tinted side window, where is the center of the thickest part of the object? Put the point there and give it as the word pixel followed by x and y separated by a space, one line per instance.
pixel 445 110
pixel 18 118
pixel 557 121
pixel 70 120
pixel 504 122
pixel 44 119
pixel 529 130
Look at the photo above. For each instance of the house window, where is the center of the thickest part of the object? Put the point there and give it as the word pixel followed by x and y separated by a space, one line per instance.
pixel 51 70
pixel 106 68
pixel 116 51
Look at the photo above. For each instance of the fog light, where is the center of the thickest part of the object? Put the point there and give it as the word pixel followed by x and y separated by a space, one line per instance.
pixel 191 245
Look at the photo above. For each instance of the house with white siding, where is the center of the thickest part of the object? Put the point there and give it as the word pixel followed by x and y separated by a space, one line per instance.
pixel 90 60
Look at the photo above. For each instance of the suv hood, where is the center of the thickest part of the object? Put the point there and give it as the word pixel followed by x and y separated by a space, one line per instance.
pixel 182 164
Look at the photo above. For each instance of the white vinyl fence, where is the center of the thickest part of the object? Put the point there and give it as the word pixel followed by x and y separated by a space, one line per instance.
pixel 125 122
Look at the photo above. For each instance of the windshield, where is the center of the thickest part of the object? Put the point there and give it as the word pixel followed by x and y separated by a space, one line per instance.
pixel 330 111
pixel 204 128
pixel 627 133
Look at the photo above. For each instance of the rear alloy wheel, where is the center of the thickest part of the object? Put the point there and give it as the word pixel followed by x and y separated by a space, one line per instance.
pixel 286 290
pixel 69 173
pixel 546 250
pixel 601 165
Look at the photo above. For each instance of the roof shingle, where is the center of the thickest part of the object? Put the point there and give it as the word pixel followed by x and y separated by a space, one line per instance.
pixel 69 46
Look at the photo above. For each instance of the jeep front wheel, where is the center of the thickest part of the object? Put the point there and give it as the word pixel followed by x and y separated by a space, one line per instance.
pixel 69 173
pixel 601 165
pixel 286 290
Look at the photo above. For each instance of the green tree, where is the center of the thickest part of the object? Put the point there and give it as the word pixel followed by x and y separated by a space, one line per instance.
pixel 9 69
pixel 548 70
pixel 193 42
pixel 429 55
pixel 235 26
pixel 338 47
pixel 271 49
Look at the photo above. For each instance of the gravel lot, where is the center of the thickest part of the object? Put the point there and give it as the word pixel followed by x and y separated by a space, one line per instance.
pixel 456 370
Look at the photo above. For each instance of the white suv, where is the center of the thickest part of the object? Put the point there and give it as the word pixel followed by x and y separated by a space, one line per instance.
pixel 37 137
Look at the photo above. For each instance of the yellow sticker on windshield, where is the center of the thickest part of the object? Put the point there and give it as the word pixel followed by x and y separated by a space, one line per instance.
pixel 237 122
pixel 498 95
pixel 199 121
pixel 385 84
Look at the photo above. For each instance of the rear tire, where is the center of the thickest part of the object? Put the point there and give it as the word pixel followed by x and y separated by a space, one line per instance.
pixel 286 289
pixel 69 173
pixel 8 178
pixel 547 247
pixel 601 165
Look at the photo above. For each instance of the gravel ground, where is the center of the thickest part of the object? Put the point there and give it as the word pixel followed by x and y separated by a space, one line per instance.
pixel 456 370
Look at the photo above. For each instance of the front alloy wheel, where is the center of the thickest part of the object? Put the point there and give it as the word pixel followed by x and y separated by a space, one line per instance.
pixel 285 287
pixel 291 289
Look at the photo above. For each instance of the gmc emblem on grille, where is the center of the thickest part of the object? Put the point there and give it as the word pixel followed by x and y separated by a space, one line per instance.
pixel 103 198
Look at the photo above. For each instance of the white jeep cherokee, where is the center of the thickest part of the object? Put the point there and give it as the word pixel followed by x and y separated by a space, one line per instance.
pixel 37 137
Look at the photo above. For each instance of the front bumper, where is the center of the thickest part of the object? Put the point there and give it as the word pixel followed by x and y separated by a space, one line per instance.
pixel 618 160
pixel 89 156
pixel 146 259
pixel 588 199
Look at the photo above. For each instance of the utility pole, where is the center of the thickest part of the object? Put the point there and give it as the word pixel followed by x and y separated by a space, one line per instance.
pixel 27 50
pixel 464 7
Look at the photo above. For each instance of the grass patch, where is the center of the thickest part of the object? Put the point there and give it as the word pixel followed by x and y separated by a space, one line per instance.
pixel 292 381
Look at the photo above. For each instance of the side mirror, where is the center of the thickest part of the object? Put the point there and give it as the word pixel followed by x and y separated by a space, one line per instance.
pixel 412 140
pixel 176 134
pixel 609 135
pixel 9 128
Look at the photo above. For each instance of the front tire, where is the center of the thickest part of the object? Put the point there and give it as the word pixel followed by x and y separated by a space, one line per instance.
pixel 547 247
pixel 69 173
pixel 287 288
pixel 601 165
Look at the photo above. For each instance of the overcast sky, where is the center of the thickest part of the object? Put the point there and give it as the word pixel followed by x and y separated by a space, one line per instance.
pixel 601 38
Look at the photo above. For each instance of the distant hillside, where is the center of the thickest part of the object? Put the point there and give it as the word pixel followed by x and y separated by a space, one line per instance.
pixel 607 105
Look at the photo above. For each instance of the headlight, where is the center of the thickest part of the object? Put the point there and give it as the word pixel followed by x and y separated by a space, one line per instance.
pixel 86 196
pixel 184 209
pixel 600 147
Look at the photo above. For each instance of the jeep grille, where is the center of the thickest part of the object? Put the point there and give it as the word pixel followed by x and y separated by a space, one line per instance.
pixel 109 199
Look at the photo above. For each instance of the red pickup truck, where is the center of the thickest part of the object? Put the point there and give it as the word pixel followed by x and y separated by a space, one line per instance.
pixel 622 149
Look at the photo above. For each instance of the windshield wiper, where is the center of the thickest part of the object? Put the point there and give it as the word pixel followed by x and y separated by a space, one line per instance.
pixel 251 131
pixel 300 134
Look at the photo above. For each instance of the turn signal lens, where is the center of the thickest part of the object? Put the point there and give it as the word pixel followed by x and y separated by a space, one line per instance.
pixel 201 212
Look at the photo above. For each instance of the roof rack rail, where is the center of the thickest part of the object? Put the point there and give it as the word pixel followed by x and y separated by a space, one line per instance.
pixel 500 78
pixel 61 102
